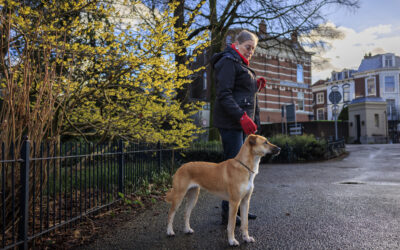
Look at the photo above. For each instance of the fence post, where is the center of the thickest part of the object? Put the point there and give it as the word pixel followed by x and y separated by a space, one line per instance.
pixel 24 175
pixel 159 156
pixel 121 167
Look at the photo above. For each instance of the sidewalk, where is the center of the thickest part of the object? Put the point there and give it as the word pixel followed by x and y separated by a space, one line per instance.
pixel 351 203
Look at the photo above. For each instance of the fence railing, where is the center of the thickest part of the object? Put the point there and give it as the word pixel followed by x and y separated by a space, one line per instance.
pixel 335 147
pixel 49 186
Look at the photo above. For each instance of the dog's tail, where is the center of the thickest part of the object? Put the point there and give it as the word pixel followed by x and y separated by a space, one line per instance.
pixel 168 198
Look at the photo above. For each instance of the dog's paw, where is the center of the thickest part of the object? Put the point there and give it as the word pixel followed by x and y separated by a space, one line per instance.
pixel 170 233
pixel 188 231
pixel 233 243
pixel 248 239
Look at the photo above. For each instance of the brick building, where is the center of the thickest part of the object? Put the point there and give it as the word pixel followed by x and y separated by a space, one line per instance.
pixel 287 68
pixel 320 99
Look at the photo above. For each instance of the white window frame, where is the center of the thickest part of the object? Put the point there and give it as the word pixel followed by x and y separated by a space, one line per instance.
pixel 346 92
pixel 394 84
pixel 320 98
pixel 320 111
pixel 386 59
pixel 300 100
pixel 391 108
pixel 204 80
pixel 300 73
pixel 367 92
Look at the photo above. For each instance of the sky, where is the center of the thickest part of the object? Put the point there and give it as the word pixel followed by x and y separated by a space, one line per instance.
pixel 374 27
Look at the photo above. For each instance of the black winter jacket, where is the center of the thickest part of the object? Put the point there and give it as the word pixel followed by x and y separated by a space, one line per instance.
pixel 236 88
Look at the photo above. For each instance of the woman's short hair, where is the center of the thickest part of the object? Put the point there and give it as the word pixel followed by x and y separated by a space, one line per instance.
pixel 246 35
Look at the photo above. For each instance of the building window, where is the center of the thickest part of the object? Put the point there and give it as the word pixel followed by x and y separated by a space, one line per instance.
pixel 320 98
pixel 204 80
pixel 228 39
pixel 391 108
pixel 300 100
pixel 320 114
pixel 333 76
pixel 371 87
pixel 346 74
pixel 388 61
pixel 300 75
pixel 346 92
pixel 389 83
pixel 377 120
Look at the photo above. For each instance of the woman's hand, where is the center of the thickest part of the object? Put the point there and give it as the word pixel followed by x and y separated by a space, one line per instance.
pixel 249 127
pixel 261 83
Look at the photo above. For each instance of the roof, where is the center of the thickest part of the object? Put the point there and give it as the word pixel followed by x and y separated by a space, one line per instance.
pixel 367 99
pixel 375 62
pixel 370 63
pixel 319 82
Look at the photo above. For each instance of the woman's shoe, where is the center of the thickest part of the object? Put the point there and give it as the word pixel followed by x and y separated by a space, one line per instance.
pixel 249 216
pixel 225 220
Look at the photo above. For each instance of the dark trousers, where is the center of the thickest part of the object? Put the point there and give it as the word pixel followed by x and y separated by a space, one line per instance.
pixel 232 141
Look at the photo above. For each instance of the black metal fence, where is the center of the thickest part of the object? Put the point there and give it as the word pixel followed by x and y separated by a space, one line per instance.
pixel 48 186
pixel 335 147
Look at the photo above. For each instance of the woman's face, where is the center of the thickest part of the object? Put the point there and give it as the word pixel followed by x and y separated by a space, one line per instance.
pixel 247 48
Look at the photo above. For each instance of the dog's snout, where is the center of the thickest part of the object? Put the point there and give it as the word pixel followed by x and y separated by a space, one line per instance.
pixel 276 150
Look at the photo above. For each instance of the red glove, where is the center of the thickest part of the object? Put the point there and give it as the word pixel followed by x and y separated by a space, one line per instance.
pixel 261 83
pixel 249 127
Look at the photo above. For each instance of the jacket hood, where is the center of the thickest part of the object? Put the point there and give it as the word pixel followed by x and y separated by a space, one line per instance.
pixel 228 52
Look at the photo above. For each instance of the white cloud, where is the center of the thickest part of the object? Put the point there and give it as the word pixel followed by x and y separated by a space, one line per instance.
pixel 349 51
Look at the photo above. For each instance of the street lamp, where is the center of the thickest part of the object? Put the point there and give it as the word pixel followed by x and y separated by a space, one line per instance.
pixel 335 98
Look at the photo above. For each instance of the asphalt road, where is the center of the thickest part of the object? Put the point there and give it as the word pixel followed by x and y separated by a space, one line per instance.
pixel 349 203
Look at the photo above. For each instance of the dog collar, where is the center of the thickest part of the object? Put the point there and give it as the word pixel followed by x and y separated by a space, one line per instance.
pixel 244 165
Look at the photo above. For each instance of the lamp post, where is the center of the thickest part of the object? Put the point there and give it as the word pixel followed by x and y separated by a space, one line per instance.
pixel 335 97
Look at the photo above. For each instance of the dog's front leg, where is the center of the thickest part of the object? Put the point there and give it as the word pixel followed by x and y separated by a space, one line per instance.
pixel 233 209
pixel 244 210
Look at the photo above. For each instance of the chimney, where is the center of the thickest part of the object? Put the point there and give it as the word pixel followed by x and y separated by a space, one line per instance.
pixel 262 28
pixel 369 55
pixel 294 37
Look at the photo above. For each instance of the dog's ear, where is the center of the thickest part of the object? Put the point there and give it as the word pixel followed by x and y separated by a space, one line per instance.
pixel 252 140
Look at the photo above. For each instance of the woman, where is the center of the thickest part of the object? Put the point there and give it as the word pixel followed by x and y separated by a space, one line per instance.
pixel 236 111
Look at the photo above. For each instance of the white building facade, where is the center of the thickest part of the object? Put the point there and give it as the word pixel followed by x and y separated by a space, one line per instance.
pixel 343 82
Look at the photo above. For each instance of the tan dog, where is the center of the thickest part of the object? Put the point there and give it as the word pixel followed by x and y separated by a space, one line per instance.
pixel 232 180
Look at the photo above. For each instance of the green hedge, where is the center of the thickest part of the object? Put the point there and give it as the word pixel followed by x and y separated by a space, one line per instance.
pixel 203 151
pixel 293 149
pixel 298 148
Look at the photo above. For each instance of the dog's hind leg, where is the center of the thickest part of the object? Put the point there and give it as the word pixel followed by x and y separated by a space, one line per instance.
pixel 176 200
pixel 191 195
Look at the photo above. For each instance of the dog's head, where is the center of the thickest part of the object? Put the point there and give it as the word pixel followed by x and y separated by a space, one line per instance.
pixel 261 146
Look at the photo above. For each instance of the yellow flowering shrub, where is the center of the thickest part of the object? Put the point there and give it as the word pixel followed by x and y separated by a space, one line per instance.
pixel 105 78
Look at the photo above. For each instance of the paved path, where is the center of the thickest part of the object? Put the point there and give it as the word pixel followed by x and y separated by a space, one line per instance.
pixel 351 203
